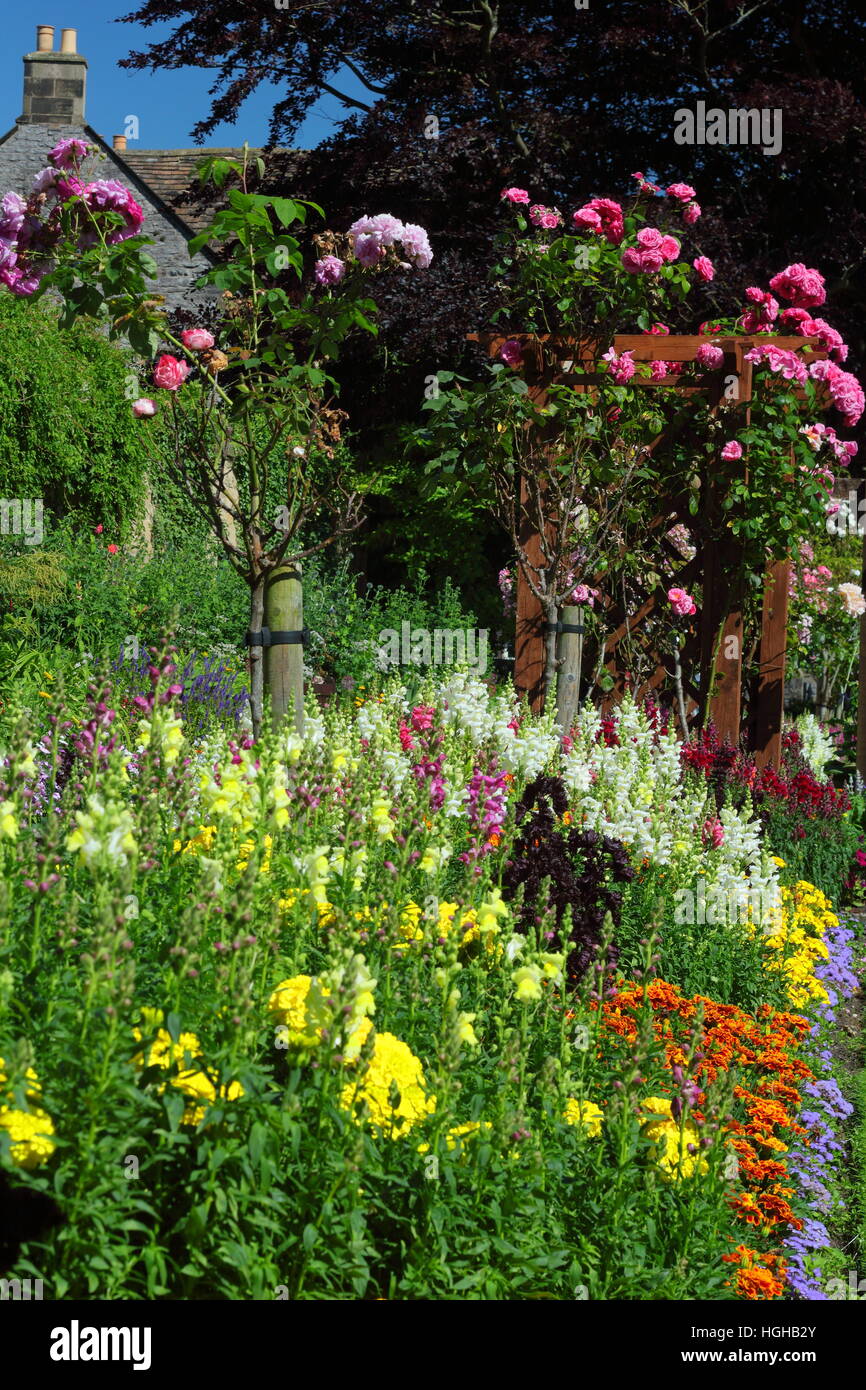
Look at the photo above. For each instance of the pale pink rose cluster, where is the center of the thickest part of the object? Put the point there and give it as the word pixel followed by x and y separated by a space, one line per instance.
pixel 197 339
pixel 732 450
pixel 30 229
pixel 370 238
pixel 845 389
pixel 786 364
pixel 680 539
pixel 329 270
pixel 681 602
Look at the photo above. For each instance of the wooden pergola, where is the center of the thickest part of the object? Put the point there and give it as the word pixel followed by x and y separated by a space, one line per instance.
pixel 716 660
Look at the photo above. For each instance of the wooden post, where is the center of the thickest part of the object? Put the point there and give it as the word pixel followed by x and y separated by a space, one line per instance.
pixel 771 684
pixel 284 667
pixel 570 655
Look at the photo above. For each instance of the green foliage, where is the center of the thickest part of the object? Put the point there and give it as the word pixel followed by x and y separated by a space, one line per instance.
pixel 67 434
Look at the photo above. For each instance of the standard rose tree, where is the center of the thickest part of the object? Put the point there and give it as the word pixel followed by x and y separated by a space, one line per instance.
pixel 248 428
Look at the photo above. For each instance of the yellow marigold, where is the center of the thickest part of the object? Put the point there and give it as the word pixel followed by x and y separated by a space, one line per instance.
pixel 390 1094
pixel 586 1114
pixel 30 1133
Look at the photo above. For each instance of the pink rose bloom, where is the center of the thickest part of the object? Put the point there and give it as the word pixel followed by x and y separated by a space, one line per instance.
pixel 143 406
pixel 416 245
pixel 197 339
pixel 845 389
pixel 824 572
pixel 803 287
pixel 582 594
pixel 681 602
pixel 386 227
pixel 68 187
pixel 8 254
pixel 792 318
pixel 169 373
pixel 68 154
pixel 541 216
pixel 645 261
pixel 681 191
pixel 704 267
pixel 658 370
pixel 709 356
pixel 622 369
pixel 780 360
pixel 604 215
pixel 659 330
pixel 515 195
pixel 511 353
pixel 329 270
pixel 12 210
pixel 669 248
pixel 44 180
pixel 732 450
pixel 826 337
pixel 368 249
pixel 422 718
pixel 650 238
pixel 691 213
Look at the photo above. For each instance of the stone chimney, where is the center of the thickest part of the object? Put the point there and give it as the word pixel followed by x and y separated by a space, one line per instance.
pixel 54 83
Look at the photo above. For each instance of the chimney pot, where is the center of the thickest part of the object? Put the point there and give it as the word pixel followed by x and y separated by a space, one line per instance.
pixel 68 40
pixel 44 38
pixel 119 143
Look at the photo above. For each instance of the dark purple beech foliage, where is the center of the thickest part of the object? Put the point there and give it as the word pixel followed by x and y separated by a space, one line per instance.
pixel 208 697
pixel 581 867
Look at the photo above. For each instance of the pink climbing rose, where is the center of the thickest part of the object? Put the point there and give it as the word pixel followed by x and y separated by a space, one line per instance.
pixel 681 602
pixel 705 268
pixel 804 288
pixel 622 368
pixel 732 450
pixel 709 356
pixel 515 195
pixel 691 213
pixel 329 270
pixel 682 191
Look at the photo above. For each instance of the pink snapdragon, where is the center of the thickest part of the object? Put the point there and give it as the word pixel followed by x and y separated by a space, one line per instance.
pixel 705 268
pixel 197 339
pixel 709 356
pixel 681 602
pixel 421 718
pixel 601 215
pixel 622 368
pixel 170 373
pixel 712 833
pixel 802 287
pixel 732 450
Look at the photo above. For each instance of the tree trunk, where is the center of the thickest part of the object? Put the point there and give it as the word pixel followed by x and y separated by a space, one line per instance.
pixel 256 657
pixel 285 660
pixel 570 663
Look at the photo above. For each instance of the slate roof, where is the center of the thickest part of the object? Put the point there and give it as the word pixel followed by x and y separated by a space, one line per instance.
pixel 171 176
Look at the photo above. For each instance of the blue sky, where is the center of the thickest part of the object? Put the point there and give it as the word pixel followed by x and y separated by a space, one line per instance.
pixel 167 104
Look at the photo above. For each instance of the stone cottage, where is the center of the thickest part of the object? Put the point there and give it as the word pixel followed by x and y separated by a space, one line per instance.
pixel 53 109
